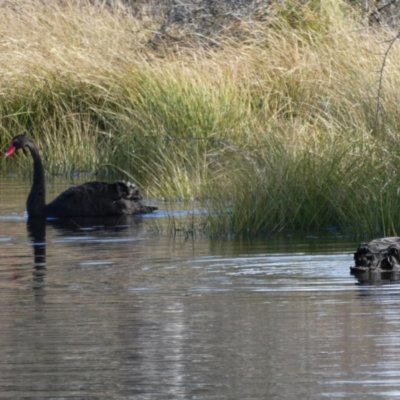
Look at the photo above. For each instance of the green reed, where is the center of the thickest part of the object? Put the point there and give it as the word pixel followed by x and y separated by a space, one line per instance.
pixel 272 130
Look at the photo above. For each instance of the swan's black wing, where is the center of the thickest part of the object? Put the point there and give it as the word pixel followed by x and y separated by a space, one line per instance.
pixel 98 199
pixel 378 254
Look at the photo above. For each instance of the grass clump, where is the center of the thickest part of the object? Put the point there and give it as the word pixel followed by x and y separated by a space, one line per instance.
pixel 273 128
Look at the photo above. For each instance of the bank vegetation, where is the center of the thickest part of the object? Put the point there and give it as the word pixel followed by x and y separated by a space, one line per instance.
pixel 273 123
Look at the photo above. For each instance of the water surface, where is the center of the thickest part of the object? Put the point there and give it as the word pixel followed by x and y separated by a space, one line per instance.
pixel 121 309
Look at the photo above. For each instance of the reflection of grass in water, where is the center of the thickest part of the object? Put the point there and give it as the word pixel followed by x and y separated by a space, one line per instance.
pixel 180 219
pixel 273 130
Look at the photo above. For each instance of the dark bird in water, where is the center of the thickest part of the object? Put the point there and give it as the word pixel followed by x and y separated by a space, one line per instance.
pixel 91 199
pixel 381 255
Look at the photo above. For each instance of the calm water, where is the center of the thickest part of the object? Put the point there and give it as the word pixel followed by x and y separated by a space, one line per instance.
pixel 120 309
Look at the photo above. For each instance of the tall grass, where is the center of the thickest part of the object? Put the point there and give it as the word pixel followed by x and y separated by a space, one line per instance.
pixel 274 128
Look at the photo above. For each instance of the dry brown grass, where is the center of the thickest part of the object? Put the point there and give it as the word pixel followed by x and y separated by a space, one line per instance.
pixel 276 122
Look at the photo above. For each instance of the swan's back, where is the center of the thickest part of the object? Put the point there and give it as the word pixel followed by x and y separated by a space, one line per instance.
pixel 380 254
pixel 98 199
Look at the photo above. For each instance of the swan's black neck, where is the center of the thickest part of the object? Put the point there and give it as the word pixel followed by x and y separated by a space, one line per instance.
pixel 35 205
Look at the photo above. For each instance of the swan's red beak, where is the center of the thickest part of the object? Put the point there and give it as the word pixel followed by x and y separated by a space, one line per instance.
pixel 11 149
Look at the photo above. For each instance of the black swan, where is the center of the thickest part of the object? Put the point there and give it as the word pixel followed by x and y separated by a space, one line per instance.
pixel 91 199
pixel 380 255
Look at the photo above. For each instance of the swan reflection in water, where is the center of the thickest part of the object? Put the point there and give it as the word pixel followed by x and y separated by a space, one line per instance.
pixel 36 229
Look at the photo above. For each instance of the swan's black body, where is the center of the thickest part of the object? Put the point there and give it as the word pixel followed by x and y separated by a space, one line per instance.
pixel 91 199
pixel 381 255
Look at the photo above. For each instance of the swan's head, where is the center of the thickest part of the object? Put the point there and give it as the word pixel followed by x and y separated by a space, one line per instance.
pixel 17 142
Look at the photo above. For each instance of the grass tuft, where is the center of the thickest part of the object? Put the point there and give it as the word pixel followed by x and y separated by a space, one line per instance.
pixel 273 128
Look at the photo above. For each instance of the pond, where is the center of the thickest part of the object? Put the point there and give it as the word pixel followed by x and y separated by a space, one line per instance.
pixel 122 309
